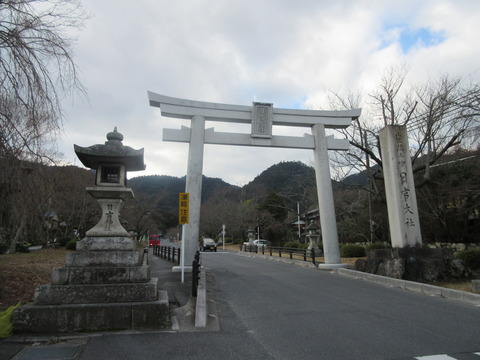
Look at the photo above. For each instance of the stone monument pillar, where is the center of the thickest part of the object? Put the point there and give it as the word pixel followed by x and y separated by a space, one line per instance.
pixel 106 284
pixel 407 259
pixel 400 188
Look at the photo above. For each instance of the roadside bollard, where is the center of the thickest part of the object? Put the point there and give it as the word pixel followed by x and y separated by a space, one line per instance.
pixel 195 273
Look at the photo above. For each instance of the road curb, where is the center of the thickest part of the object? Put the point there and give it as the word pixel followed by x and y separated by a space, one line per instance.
pixel 201 305
pixel 426 289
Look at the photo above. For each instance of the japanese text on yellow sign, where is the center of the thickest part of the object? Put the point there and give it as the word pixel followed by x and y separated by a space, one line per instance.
pixel 183 210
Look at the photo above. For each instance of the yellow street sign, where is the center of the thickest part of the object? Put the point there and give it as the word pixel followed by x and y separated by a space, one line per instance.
pixel 183 208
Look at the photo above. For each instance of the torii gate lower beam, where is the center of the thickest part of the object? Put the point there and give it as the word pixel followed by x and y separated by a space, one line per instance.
pixel 262 116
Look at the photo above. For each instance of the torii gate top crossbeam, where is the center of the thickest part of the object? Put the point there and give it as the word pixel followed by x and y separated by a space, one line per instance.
pixel 185 109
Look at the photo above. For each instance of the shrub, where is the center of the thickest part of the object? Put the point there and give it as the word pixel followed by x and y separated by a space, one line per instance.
pixel 71 245
pixel 22 247
pixel 471 258
pixel 296 245
pixel 291 245
pixel 320 246
pixel 6 321
pixel 3 248
pixel 63 241
pixel 351 250
pixel 376 246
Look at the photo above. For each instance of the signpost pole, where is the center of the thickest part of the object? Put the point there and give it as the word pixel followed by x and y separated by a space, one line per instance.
pixel 183 217
pixel 182 256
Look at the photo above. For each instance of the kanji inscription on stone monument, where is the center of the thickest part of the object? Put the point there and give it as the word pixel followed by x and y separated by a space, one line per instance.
pixel 400 187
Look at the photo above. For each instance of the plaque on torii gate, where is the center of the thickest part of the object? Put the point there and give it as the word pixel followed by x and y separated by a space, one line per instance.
pixel 262 117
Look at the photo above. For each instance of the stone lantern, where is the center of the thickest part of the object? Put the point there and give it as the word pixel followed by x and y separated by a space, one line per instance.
pixel 250 235
pixel 313 236
pixel 111 162
pixel 106 283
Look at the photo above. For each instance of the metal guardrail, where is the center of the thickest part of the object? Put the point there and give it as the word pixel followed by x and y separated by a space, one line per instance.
pixel 300 254
pixel 170 253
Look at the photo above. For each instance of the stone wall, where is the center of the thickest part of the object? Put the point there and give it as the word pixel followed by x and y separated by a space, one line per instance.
pixel 439 245
pixel 415 264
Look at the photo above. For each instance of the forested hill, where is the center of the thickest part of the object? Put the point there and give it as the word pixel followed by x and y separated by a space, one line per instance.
pixel 293 180
pixel 163 190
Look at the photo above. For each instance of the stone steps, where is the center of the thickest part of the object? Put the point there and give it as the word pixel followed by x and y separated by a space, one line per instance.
pixel 99 290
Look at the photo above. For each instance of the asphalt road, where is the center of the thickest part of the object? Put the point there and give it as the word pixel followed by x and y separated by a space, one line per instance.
pixel 273 310
pixel 303 313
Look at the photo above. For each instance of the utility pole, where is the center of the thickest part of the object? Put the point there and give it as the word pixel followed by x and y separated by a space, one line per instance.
pixel 298 222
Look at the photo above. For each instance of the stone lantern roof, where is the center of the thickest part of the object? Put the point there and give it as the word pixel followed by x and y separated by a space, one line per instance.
pixel 112 152
pixel 312 227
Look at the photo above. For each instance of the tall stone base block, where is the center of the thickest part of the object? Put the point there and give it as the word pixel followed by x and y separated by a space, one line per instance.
pixel 96 293
pixel 72 318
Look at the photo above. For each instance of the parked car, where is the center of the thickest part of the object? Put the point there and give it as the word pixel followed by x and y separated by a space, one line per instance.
pixel 154 240
pixel 261 243
pixel 208 244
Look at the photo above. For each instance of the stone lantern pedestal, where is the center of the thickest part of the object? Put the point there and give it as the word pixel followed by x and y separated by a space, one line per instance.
pixel 106 283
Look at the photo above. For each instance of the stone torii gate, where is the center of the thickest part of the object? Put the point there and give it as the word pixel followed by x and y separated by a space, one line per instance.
pixel 261 116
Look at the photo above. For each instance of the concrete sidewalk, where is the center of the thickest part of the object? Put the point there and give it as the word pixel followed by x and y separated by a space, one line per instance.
pixel 183 312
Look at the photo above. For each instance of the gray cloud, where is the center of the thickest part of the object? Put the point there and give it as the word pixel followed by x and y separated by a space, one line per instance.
pixel 290 53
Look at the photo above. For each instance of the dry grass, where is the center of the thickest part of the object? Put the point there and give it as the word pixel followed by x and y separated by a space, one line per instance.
pixel 462 285
pixel 21 273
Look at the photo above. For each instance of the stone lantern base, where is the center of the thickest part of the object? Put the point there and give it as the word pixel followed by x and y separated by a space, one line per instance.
pixel 313 245
pixel 98 290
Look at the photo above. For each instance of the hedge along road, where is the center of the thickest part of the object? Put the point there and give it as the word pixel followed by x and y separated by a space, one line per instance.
pixel 295 312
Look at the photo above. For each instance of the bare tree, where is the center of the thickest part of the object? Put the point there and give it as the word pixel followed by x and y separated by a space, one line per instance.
pixel 440 116
pixel 36 68
pixel 447 113
pixel 36 71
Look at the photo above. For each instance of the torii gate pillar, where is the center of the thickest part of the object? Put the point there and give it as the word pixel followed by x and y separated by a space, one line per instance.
pixel 326 206
pixel 261 116
pixel 193 186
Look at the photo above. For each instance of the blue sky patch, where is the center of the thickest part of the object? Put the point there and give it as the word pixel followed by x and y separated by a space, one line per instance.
pixel 422 37
pixel 299 103
pixel 410 38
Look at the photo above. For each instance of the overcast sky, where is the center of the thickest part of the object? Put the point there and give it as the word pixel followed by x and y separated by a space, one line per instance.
pixel 291 53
